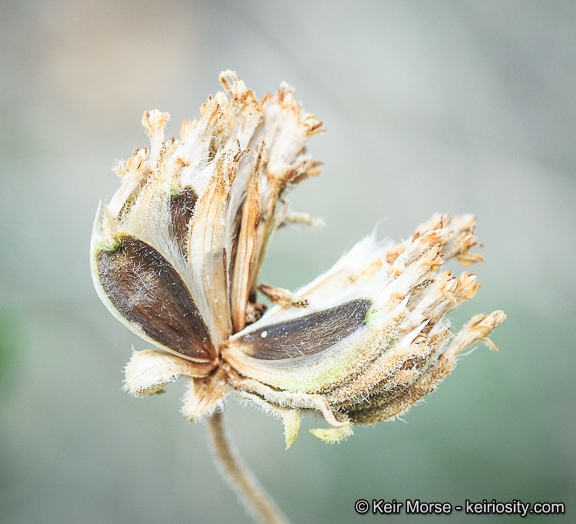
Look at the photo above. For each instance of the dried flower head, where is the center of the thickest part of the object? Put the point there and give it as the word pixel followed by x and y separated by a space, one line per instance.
pixel 176 255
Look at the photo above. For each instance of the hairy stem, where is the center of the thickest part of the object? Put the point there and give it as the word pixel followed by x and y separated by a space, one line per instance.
pixel 254 498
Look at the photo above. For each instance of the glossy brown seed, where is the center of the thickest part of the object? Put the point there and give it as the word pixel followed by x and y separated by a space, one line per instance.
pixel 181 210
pixel 149 292
pixel 307 335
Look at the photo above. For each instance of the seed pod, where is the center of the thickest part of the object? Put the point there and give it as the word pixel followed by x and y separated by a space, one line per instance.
pixel 177 252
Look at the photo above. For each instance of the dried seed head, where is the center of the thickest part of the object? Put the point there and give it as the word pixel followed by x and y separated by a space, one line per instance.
pixel 176 257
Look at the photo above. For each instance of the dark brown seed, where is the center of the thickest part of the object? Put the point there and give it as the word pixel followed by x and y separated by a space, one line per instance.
pixel 181 210
pixel 306 335
pixel 149 292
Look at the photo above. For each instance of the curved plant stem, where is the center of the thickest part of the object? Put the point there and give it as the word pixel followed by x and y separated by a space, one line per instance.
pixel 254 498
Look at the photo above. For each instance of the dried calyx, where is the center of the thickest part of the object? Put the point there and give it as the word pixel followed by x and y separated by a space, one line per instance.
pixel 177 252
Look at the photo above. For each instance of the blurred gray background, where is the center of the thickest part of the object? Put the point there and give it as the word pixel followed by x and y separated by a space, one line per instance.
pixel 429 106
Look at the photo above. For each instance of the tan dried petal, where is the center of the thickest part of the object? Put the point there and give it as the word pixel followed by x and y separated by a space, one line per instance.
pixel 474 332
pixel 282 297
pixel 246 246
pixel 302 219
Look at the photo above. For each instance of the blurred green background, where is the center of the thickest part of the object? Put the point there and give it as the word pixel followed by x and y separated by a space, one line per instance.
pixel 430 107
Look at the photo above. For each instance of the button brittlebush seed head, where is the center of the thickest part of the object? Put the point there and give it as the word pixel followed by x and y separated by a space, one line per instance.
pixel 176 255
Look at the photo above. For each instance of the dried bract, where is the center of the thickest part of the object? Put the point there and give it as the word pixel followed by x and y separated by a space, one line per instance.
pixel 176 255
